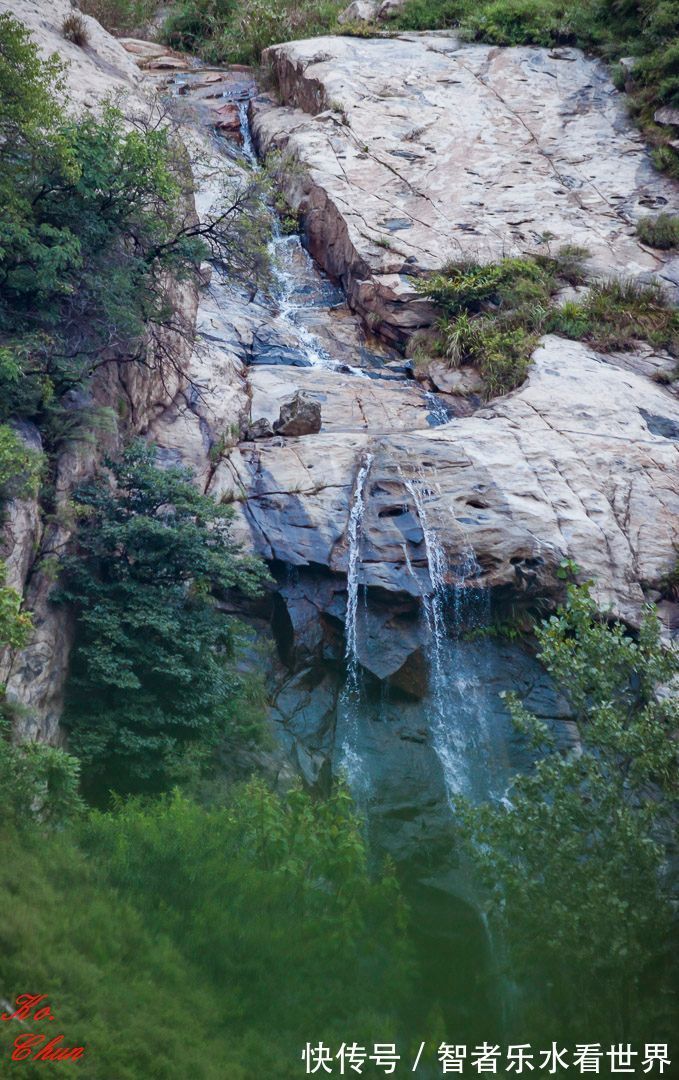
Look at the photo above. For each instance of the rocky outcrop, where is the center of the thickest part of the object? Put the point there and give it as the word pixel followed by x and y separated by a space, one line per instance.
pixel 417 149
pixel 580 463
pixel 99 69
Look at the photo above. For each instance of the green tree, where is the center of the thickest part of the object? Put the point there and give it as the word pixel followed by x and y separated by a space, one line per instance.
pixel 177 941
pixel 98 220
pixel 152 670
pixel 575 861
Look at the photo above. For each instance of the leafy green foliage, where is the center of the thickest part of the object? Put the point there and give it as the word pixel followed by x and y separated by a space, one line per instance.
pixel 15 624
pixel 37 782
pixel 151 670
pixel 574 861
pixel 20 466
pixel 659 232
pixel 224 31
pixel 494 312
pixel 179 941
pixel 120 16
pixel 614 28
pixel 97 220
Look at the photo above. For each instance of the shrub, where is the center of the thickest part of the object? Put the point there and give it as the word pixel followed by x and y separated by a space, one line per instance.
pixel 120 16
pixel 659 232
pixel 152 673
pixel 38 783
pixel 74 28
pixel 222 31
pixel 15 624
pixel 97 220
pixel 177 941
pixel 494 312
pixel 20 466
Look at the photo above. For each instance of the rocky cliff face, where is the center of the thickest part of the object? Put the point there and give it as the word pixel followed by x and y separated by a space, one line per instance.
pixel 409 151
pixel 34 677
pixel 418 149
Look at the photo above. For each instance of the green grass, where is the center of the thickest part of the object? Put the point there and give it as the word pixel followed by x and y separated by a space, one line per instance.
pixel 120 16
pixel 492 315
pixel 223 31
pixel 616 314
pixel 176 941
pixel 660 232
pixel 648 30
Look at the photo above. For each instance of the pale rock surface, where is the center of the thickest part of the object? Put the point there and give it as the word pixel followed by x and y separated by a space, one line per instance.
pixel 348 402
pixel 418 148
pixel 580 463
pixel 97 70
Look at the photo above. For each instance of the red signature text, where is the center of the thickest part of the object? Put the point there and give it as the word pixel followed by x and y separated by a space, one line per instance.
pixel 36 1047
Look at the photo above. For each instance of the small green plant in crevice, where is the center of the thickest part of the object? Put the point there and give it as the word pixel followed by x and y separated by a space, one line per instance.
pixel 21 467
pixel 494 313
pixel 669 584
pixel 280 166
pixel 15 624
pixel 660 232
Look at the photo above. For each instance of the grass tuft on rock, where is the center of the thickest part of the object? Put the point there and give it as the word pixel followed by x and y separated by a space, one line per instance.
pixel 493 315
pixel 660 232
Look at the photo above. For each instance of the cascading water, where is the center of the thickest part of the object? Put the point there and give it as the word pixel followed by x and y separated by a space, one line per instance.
pixel 461 738
pixel 287 257
pixel 348 712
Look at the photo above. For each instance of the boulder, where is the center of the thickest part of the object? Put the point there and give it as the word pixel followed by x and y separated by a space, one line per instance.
pixel 299 416
pixel 462 380
pixel 261 429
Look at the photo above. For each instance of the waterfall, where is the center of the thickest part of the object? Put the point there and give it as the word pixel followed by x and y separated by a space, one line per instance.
pixel 287 256
pixel 449 738
pixel 461 736
pixel 348 716
pixel 248 146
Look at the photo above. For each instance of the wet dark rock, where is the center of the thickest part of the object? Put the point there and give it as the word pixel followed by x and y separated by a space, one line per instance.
pixel 299 416
pixel 261 429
